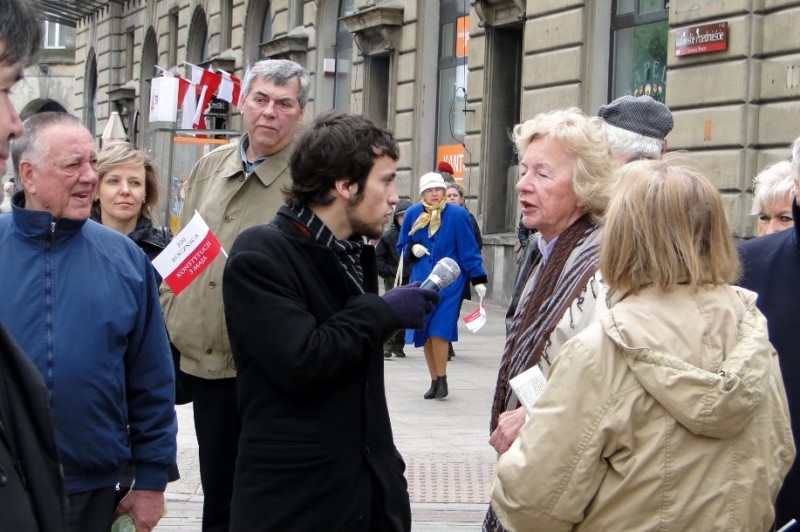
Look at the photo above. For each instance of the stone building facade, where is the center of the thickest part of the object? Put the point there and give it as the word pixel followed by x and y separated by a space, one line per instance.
pixel 451 77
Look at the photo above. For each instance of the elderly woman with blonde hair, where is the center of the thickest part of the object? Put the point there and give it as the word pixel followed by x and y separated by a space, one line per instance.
pixel 772 198
pixel 566 176
pixel 670 413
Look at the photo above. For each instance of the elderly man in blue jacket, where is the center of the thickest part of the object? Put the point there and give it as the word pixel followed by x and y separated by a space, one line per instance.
pixel 771 268
pixel 82 301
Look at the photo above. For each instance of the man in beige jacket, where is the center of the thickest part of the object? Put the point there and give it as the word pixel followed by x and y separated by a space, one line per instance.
pixel 233 188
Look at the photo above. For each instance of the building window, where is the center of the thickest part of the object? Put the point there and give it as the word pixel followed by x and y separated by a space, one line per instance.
pixel 452 97
pixel 342 87
pixel 129 47
pixel 197 47
pixel 295 13
pixel 226 23
pixel 172 51
pixel 639 32
pixel 266 25
pixel 57 36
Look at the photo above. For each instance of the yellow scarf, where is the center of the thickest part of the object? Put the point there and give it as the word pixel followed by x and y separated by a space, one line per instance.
pixel 432 217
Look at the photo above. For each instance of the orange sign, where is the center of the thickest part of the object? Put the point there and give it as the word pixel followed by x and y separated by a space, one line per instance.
pixel 453 154
pixel 462 36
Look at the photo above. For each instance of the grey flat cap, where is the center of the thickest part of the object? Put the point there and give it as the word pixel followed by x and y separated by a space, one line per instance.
pixel 640 114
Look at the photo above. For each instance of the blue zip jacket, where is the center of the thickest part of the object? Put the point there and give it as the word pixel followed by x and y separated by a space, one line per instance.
pixel 81 299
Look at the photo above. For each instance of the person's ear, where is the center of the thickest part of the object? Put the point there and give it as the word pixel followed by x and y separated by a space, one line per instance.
pixel 344 188
pixel 26 175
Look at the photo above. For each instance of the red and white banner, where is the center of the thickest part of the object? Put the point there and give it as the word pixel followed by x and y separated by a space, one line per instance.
pixel 190 252
pixel 230 88
pixel 164 99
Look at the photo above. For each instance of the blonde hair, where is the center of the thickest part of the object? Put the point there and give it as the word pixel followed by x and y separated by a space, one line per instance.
pixel 584 139
pixel 665 226
pixel 124 154
pixel 773 183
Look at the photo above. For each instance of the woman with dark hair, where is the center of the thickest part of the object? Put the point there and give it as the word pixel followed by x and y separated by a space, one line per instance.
pixel 670 413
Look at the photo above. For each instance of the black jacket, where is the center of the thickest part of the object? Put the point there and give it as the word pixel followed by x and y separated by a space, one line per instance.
pixel 316 449
pixel 771 268
pixel 32 496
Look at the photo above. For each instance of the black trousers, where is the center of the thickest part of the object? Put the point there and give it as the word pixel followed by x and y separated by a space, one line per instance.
pixel 217 425
pixel 92 511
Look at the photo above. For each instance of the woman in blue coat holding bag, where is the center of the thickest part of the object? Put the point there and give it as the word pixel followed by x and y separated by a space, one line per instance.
pixel 433 229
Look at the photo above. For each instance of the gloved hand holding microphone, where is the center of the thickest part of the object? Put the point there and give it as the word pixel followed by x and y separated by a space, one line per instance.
pixel 412 302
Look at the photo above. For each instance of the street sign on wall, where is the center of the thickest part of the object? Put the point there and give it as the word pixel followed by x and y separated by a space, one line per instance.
pixel 701 39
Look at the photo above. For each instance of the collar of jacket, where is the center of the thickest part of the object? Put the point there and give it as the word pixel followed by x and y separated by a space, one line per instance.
pixel 41 226
pixel 267 172
pixel 285 223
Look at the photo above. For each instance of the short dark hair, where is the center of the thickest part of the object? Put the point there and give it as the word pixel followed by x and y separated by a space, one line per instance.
pixel 20 31
pixel 335 146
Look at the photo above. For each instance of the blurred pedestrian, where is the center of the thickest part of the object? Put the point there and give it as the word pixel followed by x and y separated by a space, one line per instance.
pixel 455 196
pixel 636 127
pixel 389 269
pixel 316 451
pixel 430 232
pixel 32 495
pixel 566 175
pixel 772 198
pixel 445 170
pixel 670 414
pixel 233 188
pixel 5 196
pixel 771 268
pixel 81 300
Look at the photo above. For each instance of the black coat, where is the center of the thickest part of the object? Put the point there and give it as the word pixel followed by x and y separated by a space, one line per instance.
pixel 32 495
pixel 316 449
pixel 771 268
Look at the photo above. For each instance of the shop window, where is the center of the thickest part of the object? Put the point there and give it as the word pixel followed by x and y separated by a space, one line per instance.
pixel 639 53
pixel 342 84
pixel 452 88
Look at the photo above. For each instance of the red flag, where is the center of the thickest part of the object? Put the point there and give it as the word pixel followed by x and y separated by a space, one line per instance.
pixel 190 252
pixel 230 88
pixel 208 83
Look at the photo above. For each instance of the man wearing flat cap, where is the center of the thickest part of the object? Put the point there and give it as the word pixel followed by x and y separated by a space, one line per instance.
pixel 637 127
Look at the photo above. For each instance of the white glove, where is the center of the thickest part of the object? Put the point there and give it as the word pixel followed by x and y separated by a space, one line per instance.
pixel 480 289
pixel 419 250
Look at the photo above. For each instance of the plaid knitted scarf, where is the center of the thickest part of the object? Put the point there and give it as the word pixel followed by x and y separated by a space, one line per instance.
pixel 557 286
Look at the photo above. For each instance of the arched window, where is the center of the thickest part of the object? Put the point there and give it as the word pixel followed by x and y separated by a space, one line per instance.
pixel 226 24
pixel 197 46
pixel 639 30
pixel 90 94
pixel 342 85
pixel 149 61
pixel 258 30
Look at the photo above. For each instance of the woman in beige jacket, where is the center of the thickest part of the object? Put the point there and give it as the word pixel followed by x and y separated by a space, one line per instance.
pixel 670 413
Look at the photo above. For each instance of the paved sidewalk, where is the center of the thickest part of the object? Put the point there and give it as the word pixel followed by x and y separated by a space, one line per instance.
pixel 444 442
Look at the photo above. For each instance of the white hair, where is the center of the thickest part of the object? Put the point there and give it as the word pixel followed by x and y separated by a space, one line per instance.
pixel 630 146
pixel 773 183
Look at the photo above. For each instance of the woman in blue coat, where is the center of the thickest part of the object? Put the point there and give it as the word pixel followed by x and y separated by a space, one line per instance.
pixel 433 229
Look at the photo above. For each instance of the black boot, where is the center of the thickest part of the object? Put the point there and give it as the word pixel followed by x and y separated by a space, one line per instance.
pixel 450 352
pixel 441 387
pixel 430 394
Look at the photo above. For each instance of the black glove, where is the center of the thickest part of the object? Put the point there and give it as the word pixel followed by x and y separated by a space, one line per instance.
pixel 410 304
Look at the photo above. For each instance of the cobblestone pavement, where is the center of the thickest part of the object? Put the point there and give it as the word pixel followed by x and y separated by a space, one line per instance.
pixel 444 442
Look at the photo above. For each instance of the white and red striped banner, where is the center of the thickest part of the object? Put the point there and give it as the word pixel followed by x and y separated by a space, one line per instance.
pixel 190 252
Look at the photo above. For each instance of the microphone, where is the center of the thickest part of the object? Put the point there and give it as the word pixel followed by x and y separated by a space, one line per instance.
pixel 444 272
